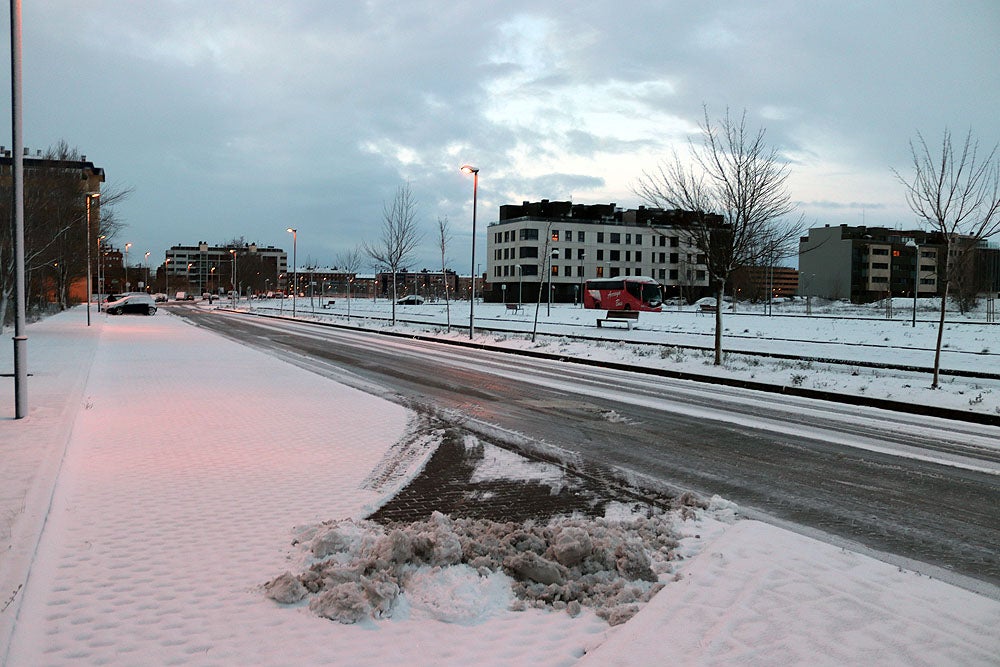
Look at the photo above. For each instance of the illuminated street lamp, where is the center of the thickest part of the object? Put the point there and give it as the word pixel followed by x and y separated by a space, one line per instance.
pixel 469 169
pixel 147 269
pixel 127 283
pixel 166 277
pixel 232 252
pixel 916 275
pixel 90 290
pixel 211 280
pixel 295 276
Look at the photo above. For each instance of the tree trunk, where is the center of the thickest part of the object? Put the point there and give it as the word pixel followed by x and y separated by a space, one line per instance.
pixel 940 338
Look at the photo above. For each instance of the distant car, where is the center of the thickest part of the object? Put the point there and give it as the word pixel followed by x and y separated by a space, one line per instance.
pixel 160 297
pixel 411 300
pixel 140 304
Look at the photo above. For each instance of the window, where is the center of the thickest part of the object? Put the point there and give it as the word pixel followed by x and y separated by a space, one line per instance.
pixel 580 254
pixel 528 251
pixel 506 270
pixel 579 271
pixel 600 255
pixel 674 258
pixel 506 236
pixel 673 274
pixel 700 275
pixel 663 274
pixel 663 241
pixel 529 270
pixel 879 279
pixel 496 271
pixel 528 235
pixel 581 237
pixel 600 272
pixel 496 254
pixel 663 258
pixel 555 270
pixel 638 255
pixel 615 237
pixel 674 242
pixel 568 253
pixel 628 255
pixel 600 237
pixel 555 234
pixel 506 253
pixel 614 255
pixel 638 239
pixel 628 272
pixel 880 265
pixel 880 251
pixel 628 239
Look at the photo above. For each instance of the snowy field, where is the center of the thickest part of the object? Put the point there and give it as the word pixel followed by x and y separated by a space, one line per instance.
pixel 179 477
pixel 665 340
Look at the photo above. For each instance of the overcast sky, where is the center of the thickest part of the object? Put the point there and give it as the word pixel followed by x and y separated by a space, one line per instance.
pixel 233 119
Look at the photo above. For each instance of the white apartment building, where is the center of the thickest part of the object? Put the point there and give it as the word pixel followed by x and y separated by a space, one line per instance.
pixel 563 244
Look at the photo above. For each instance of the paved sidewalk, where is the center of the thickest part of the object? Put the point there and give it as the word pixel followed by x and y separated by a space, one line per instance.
pixel 31 449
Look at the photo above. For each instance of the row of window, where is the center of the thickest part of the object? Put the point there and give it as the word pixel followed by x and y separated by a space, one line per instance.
pixel 531 252
pixel 526 234
pixel 611 272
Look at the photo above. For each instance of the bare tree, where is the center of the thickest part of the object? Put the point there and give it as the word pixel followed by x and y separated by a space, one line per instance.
pixel 400 236
pixel 55 224
pixel 350 263
pixel 956 192
pixel 735 184
pixel 444 238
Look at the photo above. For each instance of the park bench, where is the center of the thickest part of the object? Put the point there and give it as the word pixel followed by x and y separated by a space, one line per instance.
pixel 329 303
pixel 626 317
pixel 706 308
pixel 516 307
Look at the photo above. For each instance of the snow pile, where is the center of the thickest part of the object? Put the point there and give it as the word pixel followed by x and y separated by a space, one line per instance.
pixel 456 570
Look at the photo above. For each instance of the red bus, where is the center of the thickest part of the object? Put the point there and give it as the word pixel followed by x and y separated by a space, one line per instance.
pixel 623 293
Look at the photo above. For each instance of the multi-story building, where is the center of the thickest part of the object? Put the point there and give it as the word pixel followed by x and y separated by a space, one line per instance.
pixel 562 244
pixel 204 268
pixel 864 264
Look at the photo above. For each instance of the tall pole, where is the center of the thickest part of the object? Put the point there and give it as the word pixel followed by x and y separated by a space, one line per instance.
pixel 147 270
pixel 20 339
pixel 128 285
pixel 916 279
pixel 468 169
pixel 90 286
pixel 295 265
pixel 100 273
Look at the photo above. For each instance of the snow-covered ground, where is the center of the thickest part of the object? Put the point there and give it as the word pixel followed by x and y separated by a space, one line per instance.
pixel 165 475
pixel 833 331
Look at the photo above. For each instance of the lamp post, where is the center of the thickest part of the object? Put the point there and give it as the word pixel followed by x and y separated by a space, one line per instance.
pixel 916 275
pixel 147 269
pixel 127 283
pixel 295 265
pixel 166 277
pixel 469 169
pixel 90 289
pixel 548 300
pixel 211 280
pixel 232 251
pixel 189 278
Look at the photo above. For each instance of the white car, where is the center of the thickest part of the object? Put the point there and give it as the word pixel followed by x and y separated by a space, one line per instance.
pixel 140 304
pixel 411 300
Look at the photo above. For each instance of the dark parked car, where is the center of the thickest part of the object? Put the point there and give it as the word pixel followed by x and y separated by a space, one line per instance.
pixel 140 304
pixel 411 300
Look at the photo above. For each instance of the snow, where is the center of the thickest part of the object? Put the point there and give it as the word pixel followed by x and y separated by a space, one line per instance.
pixel 164 476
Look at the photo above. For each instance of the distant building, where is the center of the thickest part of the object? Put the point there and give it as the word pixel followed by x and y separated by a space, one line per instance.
pixel 200 268
pixel 754 283
pixel 865 264
pixel 562 244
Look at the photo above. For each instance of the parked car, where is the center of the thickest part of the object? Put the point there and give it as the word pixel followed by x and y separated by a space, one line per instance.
pixel 160 297
pixel 140 304
pixel 411 300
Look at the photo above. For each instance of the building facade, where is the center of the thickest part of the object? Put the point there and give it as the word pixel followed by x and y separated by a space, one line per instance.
pixel 557 245
pixel 865 264
pixel 201 268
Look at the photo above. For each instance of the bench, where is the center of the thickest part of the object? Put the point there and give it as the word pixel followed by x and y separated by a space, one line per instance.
pixel 706 308
pixel 626 317
pixel 516 307
pixel 329 304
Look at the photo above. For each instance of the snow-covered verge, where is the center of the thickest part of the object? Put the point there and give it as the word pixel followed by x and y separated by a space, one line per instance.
pixel 666 340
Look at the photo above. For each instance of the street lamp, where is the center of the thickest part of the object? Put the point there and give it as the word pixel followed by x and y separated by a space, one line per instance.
pixel 232 251
pixel 147 269
pixel 916 275
pixel 469 169
pixel 548 301
pixel 211 280
pixel 166 277
pixel 90 290
pixel 127 283
pixel 295 264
